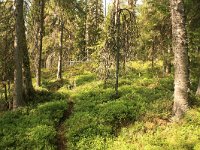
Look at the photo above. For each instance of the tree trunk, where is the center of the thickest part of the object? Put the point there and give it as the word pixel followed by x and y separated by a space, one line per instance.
pixel 28 86
pixel 181 81
pixel 39 61
pixel 198 89
pixel 27 79
pixel 117 24
pixel 59 73
pixel 86 33
pixel 168 61
pixel 5 90
pixel 10 103
pixel 96 16
pixel 152 53
pixel 105 8
pixel 18 55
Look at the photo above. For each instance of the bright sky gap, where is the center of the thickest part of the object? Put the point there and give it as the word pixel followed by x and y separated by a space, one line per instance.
pixel 139 2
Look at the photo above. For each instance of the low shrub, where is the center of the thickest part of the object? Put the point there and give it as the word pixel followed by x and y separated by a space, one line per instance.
pixel 31 128
pixel 85 78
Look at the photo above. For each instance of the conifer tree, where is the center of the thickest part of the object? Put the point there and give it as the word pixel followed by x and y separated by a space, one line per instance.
pixel 18 55
pixel 181 81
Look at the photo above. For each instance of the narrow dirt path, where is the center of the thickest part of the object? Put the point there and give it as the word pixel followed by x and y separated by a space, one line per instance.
pixel 61 141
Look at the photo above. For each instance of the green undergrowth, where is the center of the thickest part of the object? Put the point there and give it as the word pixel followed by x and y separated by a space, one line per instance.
pixel 98 117
pixel 31 128
pixel 139 119
pixel 34 126
pixel 159 134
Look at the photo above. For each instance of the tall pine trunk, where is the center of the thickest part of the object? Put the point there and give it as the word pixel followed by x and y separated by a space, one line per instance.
pixel 39 61
pixel 18 56
pixel 181 81
pixel 27 79
pixel 27 82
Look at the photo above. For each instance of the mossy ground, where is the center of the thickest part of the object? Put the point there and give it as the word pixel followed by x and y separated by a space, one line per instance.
pixel 139 119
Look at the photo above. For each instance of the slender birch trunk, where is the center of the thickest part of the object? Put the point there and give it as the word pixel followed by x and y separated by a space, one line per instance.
pixel 59 73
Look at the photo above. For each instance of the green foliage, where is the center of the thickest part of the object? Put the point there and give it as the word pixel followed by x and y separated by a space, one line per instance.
pixel 154 28
pixel 31 128
pixel 152 135
pixel 89 28
pixel 81 79
pixel 118 112
pixel 6 41
pixel 98 117
pixel 139 118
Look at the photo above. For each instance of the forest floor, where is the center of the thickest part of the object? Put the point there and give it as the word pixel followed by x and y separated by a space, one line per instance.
pixel 60 137
pixel 80 113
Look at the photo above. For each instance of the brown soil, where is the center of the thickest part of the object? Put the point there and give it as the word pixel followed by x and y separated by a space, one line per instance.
pixel 61 141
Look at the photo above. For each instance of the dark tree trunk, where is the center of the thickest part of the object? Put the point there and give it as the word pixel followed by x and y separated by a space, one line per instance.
pixel 39 61
pixel 28 86
pixel 181 81
pixel 27 79
pixel 97 12
pixel 18 55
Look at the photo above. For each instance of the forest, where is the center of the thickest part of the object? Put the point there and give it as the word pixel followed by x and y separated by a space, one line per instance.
pixel 99 75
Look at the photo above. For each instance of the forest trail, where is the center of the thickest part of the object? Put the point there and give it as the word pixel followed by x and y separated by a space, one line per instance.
pixel 60 128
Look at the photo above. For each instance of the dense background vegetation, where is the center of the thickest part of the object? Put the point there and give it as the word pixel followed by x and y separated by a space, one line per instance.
pixel 85 75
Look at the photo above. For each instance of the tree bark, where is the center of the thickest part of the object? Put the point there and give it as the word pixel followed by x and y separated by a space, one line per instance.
pixel 105 8
pixel 167 64
pixel 168 61
pixel 86 32
pixel 198 89
pixel 59 73
pixel 39 62
pixel 27 79
pixel 5 90
pixel 152 53
pixel 117 24
pixel 96 17
pixel 181 81
pixel 18 55
pixel 27 83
